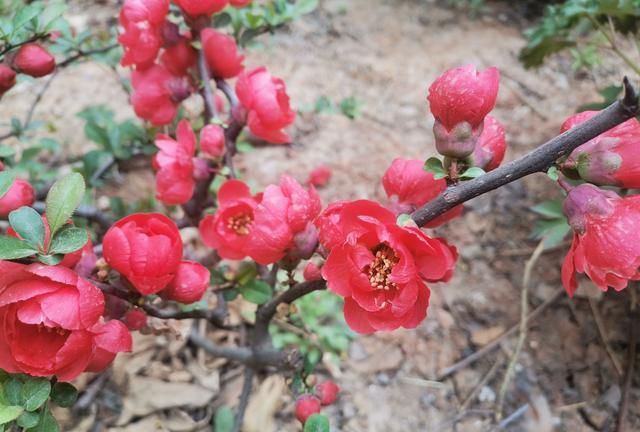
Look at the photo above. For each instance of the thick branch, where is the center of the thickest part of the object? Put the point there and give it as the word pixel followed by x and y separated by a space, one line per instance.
pixel 268 311
pixel 206 91
pixel 539 160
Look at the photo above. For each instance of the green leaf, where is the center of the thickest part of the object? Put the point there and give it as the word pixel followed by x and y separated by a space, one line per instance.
pixel 68 239
pixel 553 173
pixel 28 224
pixel 13 390
pixel 35 392
pixel 223 420
pixel 317 423
pixel 306 6
pixel 6 180
pixel 246 273
pixel 64 197
pixel 47 423
pixel 26 14
pixel 256 291
pixel 551 209
pixel 10 413
pixel 230 294
pixel 6 151
pixel 472 172
pixel 64 395
pixel 51 260
pixel 434 165
pixel 28 420
pixel 14 248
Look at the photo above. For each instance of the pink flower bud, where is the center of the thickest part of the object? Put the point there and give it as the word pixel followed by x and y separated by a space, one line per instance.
pixel 222 54
pixel 170 33
pixel 190 283
pixel 7 79
pixel 491 147
pixel 212 141
pixel 311 272
pixel 34 60
pixel 201 169
pixel 135 319
pixel 320 176
pixel 19 194
pixel 195 8
pixel 306 406
pixel 587 201
pixel 327 392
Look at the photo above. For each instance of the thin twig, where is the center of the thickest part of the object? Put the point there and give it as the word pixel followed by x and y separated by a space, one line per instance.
pixel 511 418
pixel 244 398
pixel 485 379
pixel 497 341
pixel 524 310
pixel 603 337
pixel 85 53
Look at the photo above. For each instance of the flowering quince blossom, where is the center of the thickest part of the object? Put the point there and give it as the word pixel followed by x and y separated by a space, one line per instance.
pixel 142 22
pixel 267 103
pixel 611 158
pixel 306 406
pixel 212 141
pixel 380 268
pixel 409 186
pixel 50 323
pixel 157 93
pixel 189 285
pixel 320 176
pixel 174 162
pixel 311 272
pixel 603 224
pixel 327 392
pixel 7 79
pixel 33 60
pixel 19 194
pixel 179 57
pixel 491 147
pixel 145 248
pixel 222 54
pixel 195 8
pixel 459 100
pixel 264 227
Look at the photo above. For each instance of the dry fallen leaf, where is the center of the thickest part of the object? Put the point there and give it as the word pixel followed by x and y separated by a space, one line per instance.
pixel 485 335
pixel 264 404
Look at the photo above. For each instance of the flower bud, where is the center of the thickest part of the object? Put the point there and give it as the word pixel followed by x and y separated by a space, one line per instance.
pixel 311 272
pixel 212 141
pixel 179 88
pixel 306 406
pixel 491 146
pixel 201 169
pixel 319 176
pixel 170 33
pixel 222 54
pixel 327 392
pixel 19 194
pixel 135 319
pixel 34 60
pixel 239 3
pixel 196 8
pixel 7 79
pixel 190 283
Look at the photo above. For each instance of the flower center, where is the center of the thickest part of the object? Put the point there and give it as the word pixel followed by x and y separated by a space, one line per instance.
pixel 240 224
pixel 380 268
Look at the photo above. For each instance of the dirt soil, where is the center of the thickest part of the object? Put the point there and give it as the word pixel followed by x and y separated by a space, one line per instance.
pixel 385 53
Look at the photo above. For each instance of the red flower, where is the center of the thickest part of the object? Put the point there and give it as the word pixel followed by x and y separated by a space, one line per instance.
pixel 239 3
pixel 141 45
pixel 7 79
pixel 190 283
pixel 266 100
pixel 179 57
pixel 380 268
pixel 212 141
pixel 264 227
pixel 195 8
pixel 491 146
pixel 327 392
pixel 50 323
pixel 602 223
pixel 222 54
pixel 157 93
pixel 146 248
pixel 153 12
pixel 174 161
pixel 460 99
pixel 409 186
pixel 34 60
pixel 311 272
pixel 19 194
pixel 463 94
pixel 319 176
pixel 611 158
pixel 306 406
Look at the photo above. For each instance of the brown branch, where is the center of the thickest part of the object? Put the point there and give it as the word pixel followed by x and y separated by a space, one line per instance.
pixel 85 53
pixel 244 399
pixel 539 160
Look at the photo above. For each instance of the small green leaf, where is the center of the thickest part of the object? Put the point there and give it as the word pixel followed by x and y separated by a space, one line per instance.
pixel 28 224
pixel 28 420
pixel 35 392
pixel 6 180
pixel 230 294
pixel 47 423
pixel 10 413
pixel 68 239
pixel 246 273
pixel 13 248
pixel 551 209
pixel 64 395
pixel 553 173
pixel 13 390
pixel 256 291
pixel 6 151
pixel 63 199
pixel 51 260
pixel 317 423
pixel 434 165
pixel 306 6
pixel 223 420
pixel 404 219
pixel 472 173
